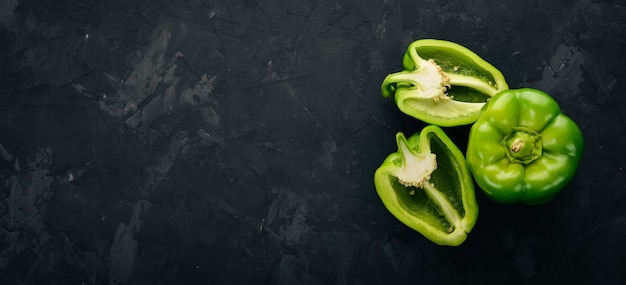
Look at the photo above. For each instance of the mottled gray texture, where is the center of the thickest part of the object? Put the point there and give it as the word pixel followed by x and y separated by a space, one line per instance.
pixel 234 142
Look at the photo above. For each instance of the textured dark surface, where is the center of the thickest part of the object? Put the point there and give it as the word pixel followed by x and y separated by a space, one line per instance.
pixel 234 142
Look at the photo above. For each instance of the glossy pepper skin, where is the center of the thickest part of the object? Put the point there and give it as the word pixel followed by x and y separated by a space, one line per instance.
pixel 523 148
pixel 427 186
pixel 443 83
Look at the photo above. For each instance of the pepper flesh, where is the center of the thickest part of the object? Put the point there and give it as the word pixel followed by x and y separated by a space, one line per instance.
pixel 443 83
pixel 427 186
pixel 523 148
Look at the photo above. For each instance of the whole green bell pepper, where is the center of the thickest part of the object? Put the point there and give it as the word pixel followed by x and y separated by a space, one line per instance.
pixel 427 186
pixel 523 148
pixel 443 83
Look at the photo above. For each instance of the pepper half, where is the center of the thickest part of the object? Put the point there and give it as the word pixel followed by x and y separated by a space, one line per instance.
pixel 443 83
pixel 523 148
pixel 427 186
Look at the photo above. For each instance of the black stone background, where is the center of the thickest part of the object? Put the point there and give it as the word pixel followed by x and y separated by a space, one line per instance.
pixel 234 142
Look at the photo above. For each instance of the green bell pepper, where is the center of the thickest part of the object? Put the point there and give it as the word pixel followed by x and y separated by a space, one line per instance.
pixel 443 83
pixel 523 148
pixel 427 186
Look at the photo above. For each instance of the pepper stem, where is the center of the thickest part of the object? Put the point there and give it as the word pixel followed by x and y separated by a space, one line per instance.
pixel 452 79
pixel 416 167
pixel 523 145
pixel 517 145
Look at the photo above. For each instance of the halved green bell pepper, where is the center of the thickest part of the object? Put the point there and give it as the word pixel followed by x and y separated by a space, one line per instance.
pixel 523 148
pixel 427 186
pixel 443 83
